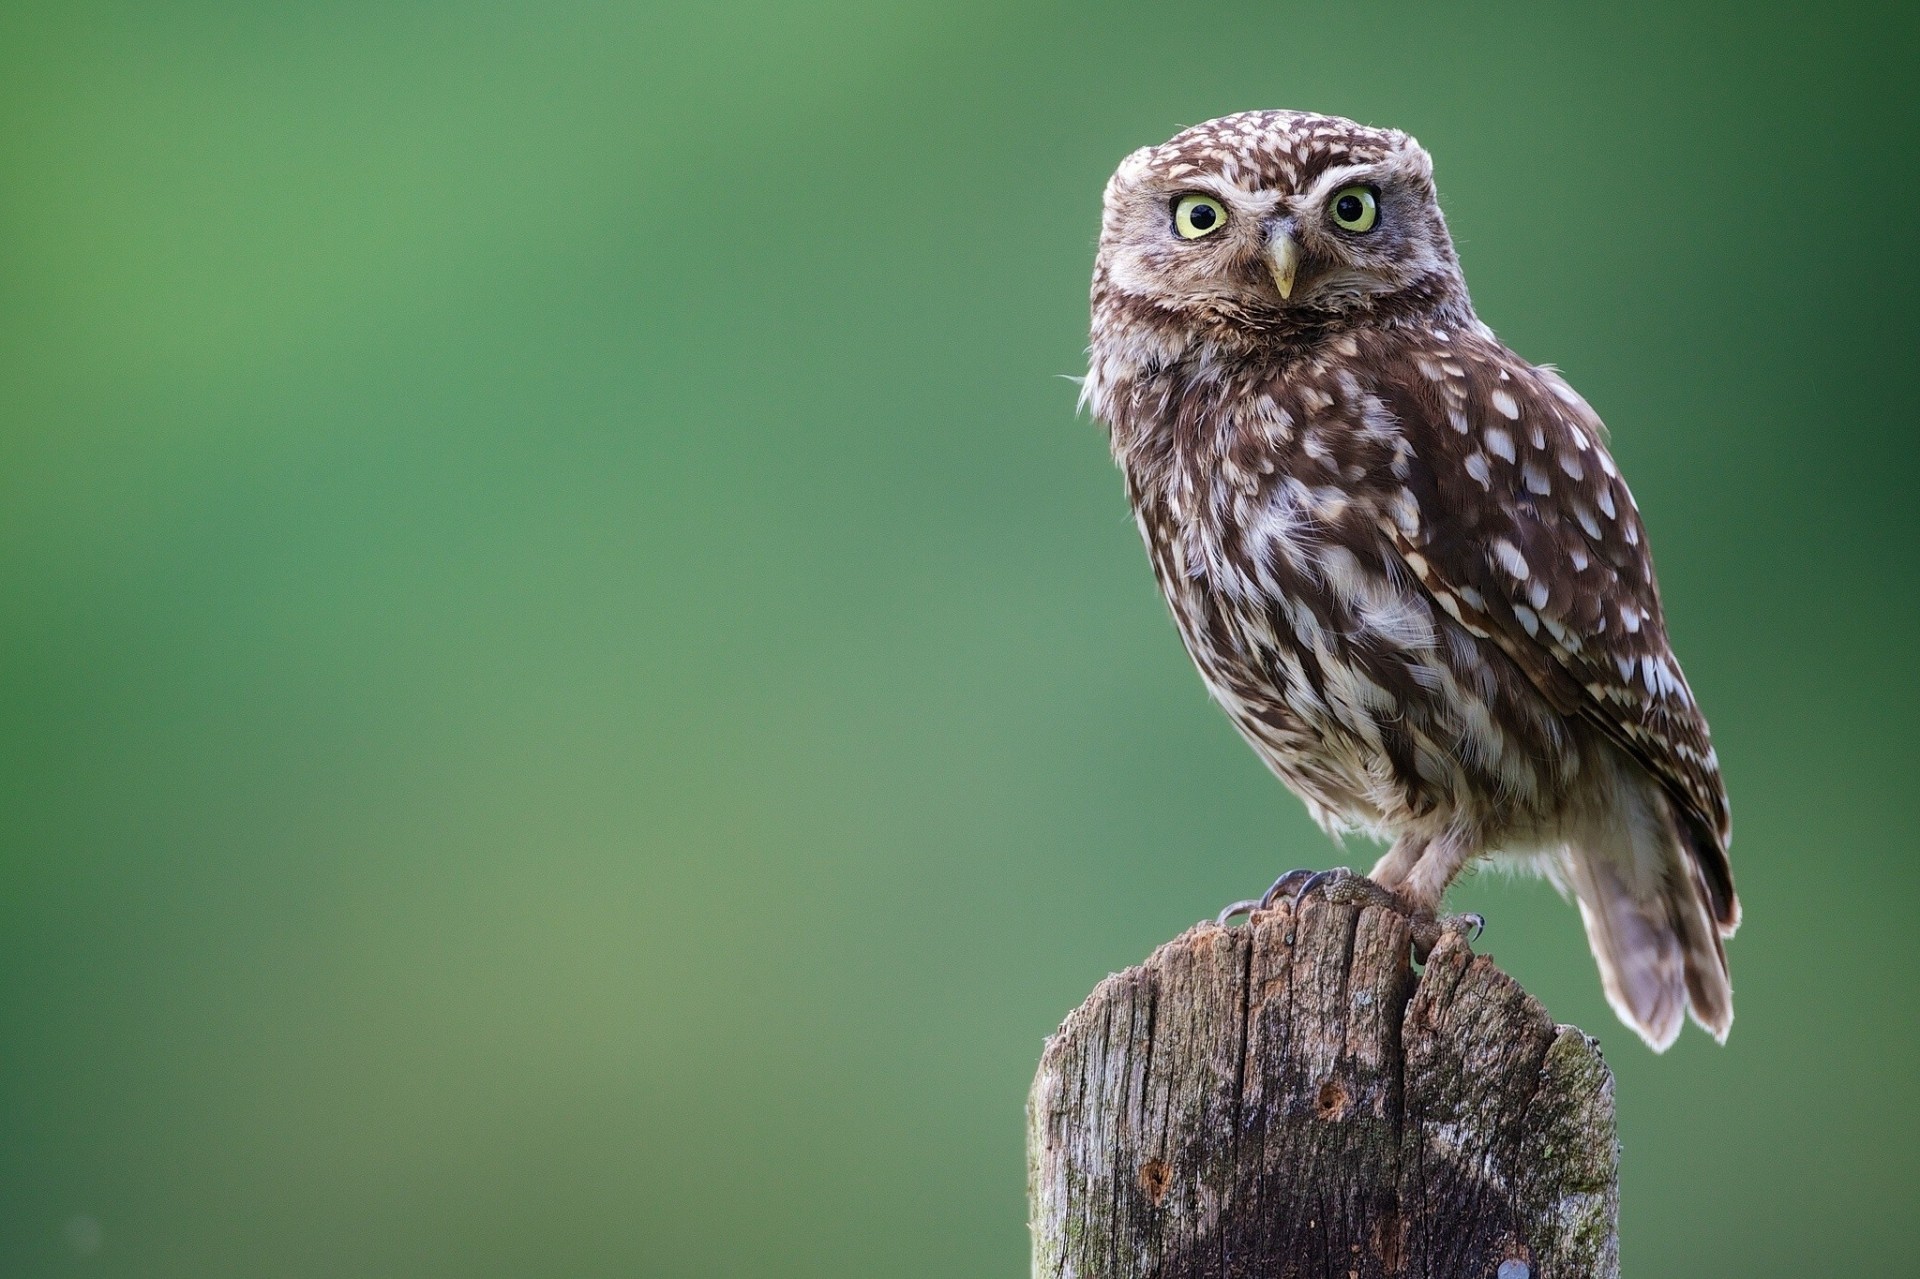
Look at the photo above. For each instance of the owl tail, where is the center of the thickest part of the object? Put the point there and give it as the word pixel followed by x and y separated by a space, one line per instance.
pixel 1649 922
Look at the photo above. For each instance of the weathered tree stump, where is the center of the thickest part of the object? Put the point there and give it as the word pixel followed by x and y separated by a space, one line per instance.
pixel 1281 1100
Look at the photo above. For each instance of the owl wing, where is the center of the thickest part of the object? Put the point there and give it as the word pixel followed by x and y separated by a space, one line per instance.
pixel 1527 535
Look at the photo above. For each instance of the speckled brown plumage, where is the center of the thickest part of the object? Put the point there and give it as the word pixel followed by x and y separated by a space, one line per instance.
pixel 1400 555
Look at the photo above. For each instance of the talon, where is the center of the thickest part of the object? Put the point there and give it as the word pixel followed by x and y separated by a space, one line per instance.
pixel 1427 932
pixel 1469 925
pixel 1318 881
pixel 1236 909
pixel 1284 885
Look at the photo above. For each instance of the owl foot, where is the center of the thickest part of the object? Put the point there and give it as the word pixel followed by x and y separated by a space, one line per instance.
pixel 1344 888
pixel 1428 929
pixel 1282 887
pixel 1337 885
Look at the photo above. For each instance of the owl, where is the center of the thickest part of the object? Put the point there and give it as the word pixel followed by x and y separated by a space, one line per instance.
pixel 1400 555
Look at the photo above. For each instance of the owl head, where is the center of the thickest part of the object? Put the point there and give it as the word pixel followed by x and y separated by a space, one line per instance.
pixel 1268 223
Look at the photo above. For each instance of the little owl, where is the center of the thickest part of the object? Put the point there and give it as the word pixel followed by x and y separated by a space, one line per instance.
pixel 1399 554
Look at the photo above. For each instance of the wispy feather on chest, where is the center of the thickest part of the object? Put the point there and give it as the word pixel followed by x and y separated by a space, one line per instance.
pixel 1230 464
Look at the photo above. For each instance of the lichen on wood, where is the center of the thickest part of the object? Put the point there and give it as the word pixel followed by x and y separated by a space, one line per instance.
pixel 1293 1098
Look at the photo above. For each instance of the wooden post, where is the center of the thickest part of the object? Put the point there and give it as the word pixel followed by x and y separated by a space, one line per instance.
pixel 1291 1099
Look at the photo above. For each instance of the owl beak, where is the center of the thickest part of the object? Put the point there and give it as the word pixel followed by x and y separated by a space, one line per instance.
pixel 1283 259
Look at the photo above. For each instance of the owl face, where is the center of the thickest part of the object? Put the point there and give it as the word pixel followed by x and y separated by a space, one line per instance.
pixel 1276 220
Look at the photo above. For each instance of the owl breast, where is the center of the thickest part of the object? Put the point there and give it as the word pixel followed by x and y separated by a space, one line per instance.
pixel 1267 504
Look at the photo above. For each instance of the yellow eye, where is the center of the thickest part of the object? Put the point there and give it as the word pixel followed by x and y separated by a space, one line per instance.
pixel 1354 208
pixel 1198 215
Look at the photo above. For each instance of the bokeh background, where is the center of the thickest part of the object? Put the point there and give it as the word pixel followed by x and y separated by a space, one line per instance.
pixel 575 699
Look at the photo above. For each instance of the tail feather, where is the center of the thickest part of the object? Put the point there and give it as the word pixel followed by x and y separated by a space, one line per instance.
pixel 1653 922
pixel 1714 874
pixel 1709 985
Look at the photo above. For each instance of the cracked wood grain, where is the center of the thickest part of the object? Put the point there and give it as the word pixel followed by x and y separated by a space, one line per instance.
pixel 1281 1100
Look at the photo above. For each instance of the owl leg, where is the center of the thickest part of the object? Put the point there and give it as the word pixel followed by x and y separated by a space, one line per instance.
pixel 1424 883
pixel 1439 863
pixel 1391 871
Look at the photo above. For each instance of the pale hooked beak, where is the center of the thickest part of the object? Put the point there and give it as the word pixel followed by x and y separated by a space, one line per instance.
pixel 1283 259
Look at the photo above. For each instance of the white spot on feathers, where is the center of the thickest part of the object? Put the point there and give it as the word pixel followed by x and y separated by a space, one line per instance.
pixel 1505 403
pixel 1561 635
pixel 1340 570
pixel 1406 513
pixel 1500 443
pixel 1509 557
pixel 1565 394
pixel 1399 618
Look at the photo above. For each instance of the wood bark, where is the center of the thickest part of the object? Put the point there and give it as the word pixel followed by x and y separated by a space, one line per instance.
pixel 1293 1098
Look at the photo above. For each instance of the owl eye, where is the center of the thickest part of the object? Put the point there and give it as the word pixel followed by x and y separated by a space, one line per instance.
pixel 1198 215
pixel 1354 208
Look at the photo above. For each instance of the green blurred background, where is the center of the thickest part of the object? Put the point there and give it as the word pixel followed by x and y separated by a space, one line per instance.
pixel 575 700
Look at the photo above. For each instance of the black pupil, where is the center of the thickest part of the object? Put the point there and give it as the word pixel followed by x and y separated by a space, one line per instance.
pixel 1201 215
pixel 1350 208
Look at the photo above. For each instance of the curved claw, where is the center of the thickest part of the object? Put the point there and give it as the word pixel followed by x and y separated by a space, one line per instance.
pixel 1318 881
pixel 1428 931
pixel 1287 883
pixel 1281 888
pixel 1236 909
